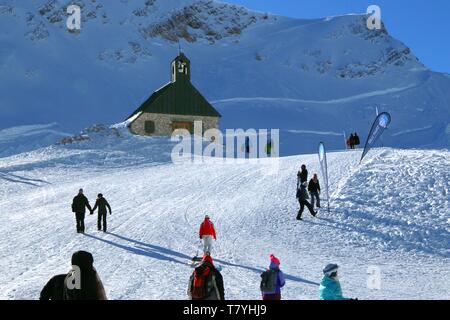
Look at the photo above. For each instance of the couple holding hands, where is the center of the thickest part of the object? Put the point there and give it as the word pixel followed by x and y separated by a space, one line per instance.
pixel 79 205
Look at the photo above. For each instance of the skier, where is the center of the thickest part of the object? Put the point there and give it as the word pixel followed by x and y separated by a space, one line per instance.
pixel 330 288
pixel 206 282
pixel 79 204
pixel 302 195
pixel 207 233
pixel 302 175
pixel 65 286
pixel 272 280
pixel 101 204
pixel 314 191
pixel 356 138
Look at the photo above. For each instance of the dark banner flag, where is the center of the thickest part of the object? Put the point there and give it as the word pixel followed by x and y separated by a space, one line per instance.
pixel 380 124
pixel 324 167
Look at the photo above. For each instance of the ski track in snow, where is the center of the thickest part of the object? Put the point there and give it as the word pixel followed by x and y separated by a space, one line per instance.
pixel 411 131
pixel 322 133
pixel 392 212
pixel 331 101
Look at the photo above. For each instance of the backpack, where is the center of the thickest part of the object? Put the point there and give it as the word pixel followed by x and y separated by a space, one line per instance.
pixel 269 281
pixel 201 285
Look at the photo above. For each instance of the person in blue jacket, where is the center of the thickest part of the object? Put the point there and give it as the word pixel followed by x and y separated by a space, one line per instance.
pixel 330 288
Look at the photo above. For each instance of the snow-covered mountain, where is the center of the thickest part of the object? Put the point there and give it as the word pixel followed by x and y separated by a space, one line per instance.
pixel 391 212
pixel 313 79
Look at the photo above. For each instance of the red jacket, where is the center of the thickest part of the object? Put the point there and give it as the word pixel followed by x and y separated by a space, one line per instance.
pixel 207 229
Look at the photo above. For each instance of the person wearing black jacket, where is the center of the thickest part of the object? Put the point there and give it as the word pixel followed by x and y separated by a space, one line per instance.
pixel 101 204
pixel 81 283
pixel 90 286
pixel 302 175
pixel 302 196
pixel 54 288
pixel 314 191
pixel 356 138
pixel 79 205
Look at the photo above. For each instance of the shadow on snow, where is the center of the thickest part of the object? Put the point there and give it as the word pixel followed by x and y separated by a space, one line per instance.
pixel 164 254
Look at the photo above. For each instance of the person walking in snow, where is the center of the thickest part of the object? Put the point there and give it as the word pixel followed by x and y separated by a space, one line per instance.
pixel 101 204
pixel 207 234
pixel 302 176
pixel 79 205
pixel 81 283
pixel 247 145
pixel 351 141
pixel 356 139
pixel 330 287
pixel 269 147
pixel 206 282
pixel 314 191
pixel 302 196
pixel 272 280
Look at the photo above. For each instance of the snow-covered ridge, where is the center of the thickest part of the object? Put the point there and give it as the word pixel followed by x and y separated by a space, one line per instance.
pixel 27 138
pixel 189 20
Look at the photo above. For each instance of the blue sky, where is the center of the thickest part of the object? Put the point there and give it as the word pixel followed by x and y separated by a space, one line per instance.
pixel 423 25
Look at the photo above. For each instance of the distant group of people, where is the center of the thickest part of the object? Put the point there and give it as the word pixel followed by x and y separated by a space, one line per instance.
pixel 80 203
pixel 303 187
pixel 268 148
pixel 353 141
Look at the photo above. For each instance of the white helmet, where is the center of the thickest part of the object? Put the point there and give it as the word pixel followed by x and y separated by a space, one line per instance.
pixel 330 269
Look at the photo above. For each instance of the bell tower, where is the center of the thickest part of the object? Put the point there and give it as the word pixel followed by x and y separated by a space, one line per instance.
pixel 181 68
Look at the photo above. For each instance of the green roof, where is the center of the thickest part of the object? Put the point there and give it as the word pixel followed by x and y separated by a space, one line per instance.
pixel 179 97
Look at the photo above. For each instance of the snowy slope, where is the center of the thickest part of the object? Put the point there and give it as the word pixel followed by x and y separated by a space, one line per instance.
pixel 27 138
pixel 391 212
pixel 305 77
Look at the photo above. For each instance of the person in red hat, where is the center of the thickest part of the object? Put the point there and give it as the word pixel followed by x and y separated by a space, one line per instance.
pixel 272 280
pixel 207 234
